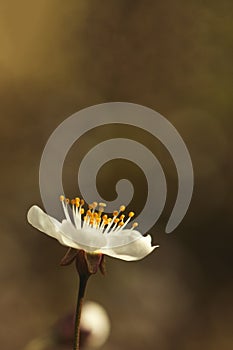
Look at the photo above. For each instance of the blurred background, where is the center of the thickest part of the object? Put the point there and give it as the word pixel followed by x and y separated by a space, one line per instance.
pixel 172 56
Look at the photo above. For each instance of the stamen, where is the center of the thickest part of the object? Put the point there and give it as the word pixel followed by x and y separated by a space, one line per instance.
pixel 80 207
pixel 101 208
pixel 102 205
pixel 115 214
pixel 95 219
pixel 135 224
pixel 115 224
pixel 131 214
pixel 65 207
pixel 94 205
pixel 100 211
pixel 121 223
pixel 77 225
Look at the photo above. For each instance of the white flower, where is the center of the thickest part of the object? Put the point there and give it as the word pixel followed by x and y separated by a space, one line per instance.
pixel 95 233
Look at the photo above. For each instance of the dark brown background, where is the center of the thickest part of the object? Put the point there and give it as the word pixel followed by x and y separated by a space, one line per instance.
pixel 173 56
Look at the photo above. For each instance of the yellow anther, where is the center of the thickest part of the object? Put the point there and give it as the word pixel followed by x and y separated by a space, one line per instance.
pixel 93 217
pixel 101 208
pixel 102 205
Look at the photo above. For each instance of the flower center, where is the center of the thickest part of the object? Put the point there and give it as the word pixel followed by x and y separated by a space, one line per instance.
pixel 94 216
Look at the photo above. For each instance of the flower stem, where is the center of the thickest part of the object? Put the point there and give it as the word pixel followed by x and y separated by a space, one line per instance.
pixel 82 287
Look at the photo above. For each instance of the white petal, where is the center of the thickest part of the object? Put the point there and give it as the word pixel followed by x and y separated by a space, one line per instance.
pixel 121 238
pixel 88 239
pixel 47 224
pixel 135 250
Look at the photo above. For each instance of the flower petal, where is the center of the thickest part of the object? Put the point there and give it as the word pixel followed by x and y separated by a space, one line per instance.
pixel 47 224
pixel 135 250
pixel 88 239
pixel 121 237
